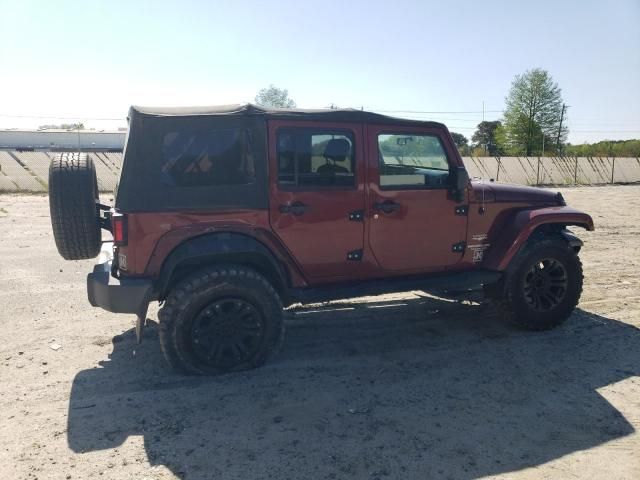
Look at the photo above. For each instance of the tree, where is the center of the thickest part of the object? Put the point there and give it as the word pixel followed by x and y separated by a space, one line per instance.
pixel 485 137
pixel 461 142
pixel 605 148
pixel 534 111
pixel 274 97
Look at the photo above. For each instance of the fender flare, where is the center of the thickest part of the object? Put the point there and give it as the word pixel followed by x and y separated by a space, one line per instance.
pixel 222 247
pixel 525 222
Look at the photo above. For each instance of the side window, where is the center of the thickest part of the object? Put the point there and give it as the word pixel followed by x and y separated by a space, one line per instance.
pixel 408 160
pixel 217 157
pixel 315 158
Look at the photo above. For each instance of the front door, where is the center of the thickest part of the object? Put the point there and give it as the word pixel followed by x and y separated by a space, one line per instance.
pixel 317 186
pixel 414 225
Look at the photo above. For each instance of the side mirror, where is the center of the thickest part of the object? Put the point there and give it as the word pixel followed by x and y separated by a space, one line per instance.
pixel 460 182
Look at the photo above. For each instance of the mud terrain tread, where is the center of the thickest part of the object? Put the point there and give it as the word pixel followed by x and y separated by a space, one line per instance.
pixel 231 277
pixel 72 204
pixel 507 305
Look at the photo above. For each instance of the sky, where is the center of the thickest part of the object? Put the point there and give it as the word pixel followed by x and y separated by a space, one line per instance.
pixel 90 60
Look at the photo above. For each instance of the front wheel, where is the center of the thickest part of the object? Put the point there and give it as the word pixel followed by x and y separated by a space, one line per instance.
pixel 221 319
pixel 543 286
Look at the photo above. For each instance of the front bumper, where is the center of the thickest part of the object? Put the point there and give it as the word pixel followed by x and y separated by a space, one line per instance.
pixel 124 295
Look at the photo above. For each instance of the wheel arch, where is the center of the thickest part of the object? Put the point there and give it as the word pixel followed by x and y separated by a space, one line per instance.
pixel 531 222
pixel 218 248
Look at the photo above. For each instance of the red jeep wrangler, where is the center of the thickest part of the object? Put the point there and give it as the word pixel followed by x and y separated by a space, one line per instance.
pixel 226 215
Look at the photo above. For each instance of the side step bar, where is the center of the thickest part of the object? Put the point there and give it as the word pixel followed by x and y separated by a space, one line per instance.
pixel 448 282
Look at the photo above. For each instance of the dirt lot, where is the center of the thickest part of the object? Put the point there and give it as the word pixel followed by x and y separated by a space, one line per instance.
pixel 405 386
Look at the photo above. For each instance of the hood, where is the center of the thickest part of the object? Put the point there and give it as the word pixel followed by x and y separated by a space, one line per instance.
pixel 504 192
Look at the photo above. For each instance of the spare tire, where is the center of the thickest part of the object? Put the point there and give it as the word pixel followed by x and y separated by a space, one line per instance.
pixel 73 194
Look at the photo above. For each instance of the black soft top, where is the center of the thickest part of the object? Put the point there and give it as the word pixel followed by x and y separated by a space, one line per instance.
pixel 248 109
pixel 142 186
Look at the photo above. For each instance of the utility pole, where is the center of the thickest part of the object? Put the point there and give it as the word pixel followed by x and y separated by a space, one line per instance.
pixel 485 143
pixel 560 128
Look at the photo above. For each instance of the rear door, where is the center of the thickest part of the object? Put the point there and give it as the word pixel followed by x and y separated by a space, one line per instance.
pixel 415 226
pixel 316 189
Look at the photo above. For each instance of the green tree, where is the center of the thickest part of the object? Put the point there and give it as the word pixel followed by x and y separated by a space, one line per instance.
pixel 459 139
pixel 461 142
pixel 274 97
pixel 605 148
pixel 485 136
pixel 534 111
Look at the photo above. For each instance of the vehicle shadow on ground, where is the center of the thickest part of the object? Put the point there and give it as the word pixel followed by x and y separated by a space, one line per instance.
pixel 418 388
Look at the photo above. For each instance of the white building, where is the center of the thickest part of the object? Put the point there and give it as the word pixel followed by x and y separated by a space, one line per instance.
pixel 16 139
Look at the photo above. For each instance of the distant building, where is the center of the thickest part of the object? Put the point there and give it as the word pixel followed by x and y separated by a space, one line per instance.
pixel 62 140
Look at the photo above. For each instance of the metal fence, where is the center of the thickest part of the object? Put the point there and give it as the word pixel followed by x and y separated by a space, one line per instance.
pixel 28 171
pixel 555 170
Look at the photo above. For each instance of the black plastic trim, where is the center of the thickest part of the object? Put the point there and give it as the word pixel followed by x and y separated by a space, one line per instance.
pixel 118 295
pixel 470 280
pixel 573 241
pixel 221 247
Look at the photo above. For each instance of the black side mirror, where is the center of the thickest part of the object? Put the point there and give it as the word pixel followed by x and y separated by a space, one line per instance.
pixel 460 182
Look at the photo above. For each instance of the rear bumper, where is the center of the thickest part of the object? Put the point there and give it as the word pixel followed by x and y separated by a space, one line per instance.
pixel 118 295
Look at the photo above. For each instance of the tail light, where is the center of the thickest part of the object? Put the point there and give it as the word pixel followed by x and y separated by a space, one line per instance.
pixel 119 228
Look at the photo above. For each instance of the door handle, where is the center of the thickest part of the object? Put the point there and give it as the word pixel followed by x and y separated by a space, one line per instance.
pixel 388 206
pixel 295 208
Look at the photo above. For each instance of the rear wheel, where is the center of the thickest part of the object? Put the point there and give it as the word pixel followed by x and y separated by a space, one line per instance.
pixel 73 194
pixel 543 285
pixel 221 319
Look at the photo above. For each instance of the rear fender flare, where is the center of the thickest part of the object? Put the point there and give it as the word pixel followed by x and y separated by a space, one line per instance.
pixel 221 247
pixel 526 222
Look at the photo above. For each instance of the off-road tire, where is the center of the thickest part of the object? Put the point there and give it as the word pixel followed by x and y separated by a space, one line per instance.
pixel 187 299
pixel 73 193
pixel 514 305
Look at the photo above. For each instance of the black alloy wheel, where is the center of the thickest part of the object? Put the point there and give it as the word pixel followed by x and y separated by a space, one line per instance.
pixel 221 319
pixel 545 285
pixel 227 332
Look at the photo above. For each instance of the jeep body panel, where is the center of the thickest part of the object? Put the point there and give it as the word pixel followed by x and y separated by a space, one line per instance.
pixel 322 236
pixel 154 236
pixel 500 213
pixel 421 234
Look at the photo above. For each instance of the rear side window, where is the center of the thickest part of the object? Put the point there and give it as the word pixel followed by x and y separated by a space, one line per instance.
pixel 315 158
pixel 207 158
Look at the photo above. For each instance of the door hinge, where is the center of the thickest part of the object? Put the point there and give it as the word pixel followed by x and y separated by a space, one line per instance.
pixel 355 255
pixel 458 247
pixel 461 209
pixel 356 215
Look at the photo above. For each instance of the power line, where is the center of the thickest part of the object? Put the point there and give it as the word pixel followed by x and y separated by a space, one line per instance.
pixel 443 112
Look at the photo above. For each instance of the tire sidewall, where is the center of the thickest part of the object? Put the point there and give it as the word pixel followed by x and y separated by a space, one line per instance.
pixel 248 289
pixel 73 193
pixel 524 314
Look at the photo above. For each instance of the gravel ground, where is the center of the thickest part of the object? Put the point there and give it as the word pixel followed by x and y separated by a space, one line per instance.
pixel 402 386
